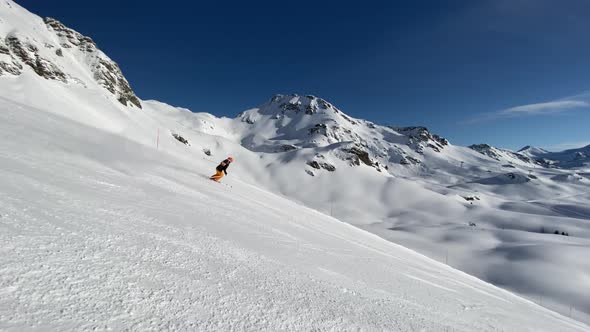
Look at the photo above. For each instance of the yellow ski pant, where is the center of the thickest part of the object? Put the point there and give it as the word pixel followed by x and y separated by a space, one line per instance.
pixel 217 176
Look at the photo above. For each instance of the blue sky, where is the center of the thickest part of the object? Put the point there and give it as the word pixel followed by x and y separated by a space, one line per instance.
pixel 505 72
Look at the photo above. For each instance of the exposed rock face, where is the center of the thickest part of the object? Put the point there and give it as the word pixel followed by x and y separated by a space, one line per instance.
pixel 320 128
pixel 110 76
pixel 335 133
pixel 321 165
pixel 358 155
pixel 247 119
pixel 408 160
pixel 3 48
pixel 296 104
pixel 8 63
pixel 485 149
pixel 181 139
pixel 287 147
pixel 311 109
pixel 471 198
pixel 420 138
pixel 314 164
pixel 70 37
pixel 525 158
pixel 29 55
pixel 17 52
pixel 498 154
pixel 106 72
pixel 307 121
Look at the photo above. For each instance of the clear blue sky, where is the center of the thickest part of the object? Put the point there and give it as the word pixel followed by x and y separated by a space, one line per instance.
pixel 469 70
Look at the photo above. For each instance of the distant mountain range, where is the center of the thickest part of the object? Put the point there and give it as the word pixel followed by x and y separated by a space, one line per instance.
pixel 571 158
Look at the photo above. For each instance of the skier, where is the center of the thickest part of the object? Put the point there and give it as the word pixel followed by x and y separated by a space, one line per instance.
pixel 221 169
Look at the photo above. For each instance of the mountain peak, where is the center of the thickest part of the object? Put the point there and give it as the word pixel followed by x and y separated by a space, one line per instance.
pixel 521 157
pixel 293 122
pixel 70 37
pixel 296 104
pixel 532 151
pixel 305 120
pixel 55 52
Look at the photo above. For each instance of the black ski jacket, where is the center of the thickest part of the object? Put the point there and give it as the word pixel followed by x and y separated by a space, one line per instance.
pixel 222 167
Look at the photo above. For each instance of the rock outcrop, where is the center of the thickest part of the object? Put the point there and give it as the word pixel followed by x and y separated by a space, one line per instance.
pixel 420 138
pixel 301 122
pixel 28 54
pixel 8 63
pixel 106 72
pixel 62 54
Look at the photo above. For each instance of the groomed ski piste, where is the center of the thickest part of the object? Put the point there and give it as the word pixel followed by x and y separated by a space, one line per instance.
pixel 109 223
pixel 99 231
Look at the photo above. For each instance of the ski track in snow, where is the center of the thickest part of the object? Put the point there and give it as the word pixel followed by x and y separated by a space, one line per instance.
pixel 140 241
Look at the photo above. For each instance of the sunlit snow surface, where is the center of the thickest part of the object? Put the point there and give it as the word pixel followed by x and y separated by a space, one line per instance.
pixel 106 221
pixel 98 231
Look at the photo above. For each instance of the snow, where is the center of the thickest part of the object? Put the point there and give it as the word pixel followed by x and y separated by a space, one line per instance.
pixel 532 151
pixel 572 158
pixel 99 231
pixel 423 207
pixel 108 222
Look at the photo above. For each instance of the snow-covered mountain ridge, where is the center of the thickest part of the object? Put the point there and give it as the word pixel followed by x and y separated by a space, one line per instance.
pixel 92 164
pixel 506 156
pixel 531 151
pixel 55 52
pixel 291 122
pixel 288 122
pixel 572 158
pixel 530 155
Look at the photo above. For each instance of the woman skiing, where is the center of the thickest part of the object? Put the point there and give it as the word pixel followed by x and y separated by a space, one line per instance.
pixel 221 169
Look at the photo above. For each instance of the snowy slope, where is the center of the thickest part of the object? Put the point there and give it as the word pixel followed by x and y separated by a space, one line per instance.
pixel 47 48
pixel 508 158
pixel 493 221
pixel 572 158
pixel 99 231
pixel 532 151
pixel 404 184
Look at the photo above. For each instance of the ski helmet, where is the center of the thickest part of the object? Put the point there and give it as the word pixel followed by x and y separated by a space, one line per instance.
pixel 230 159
